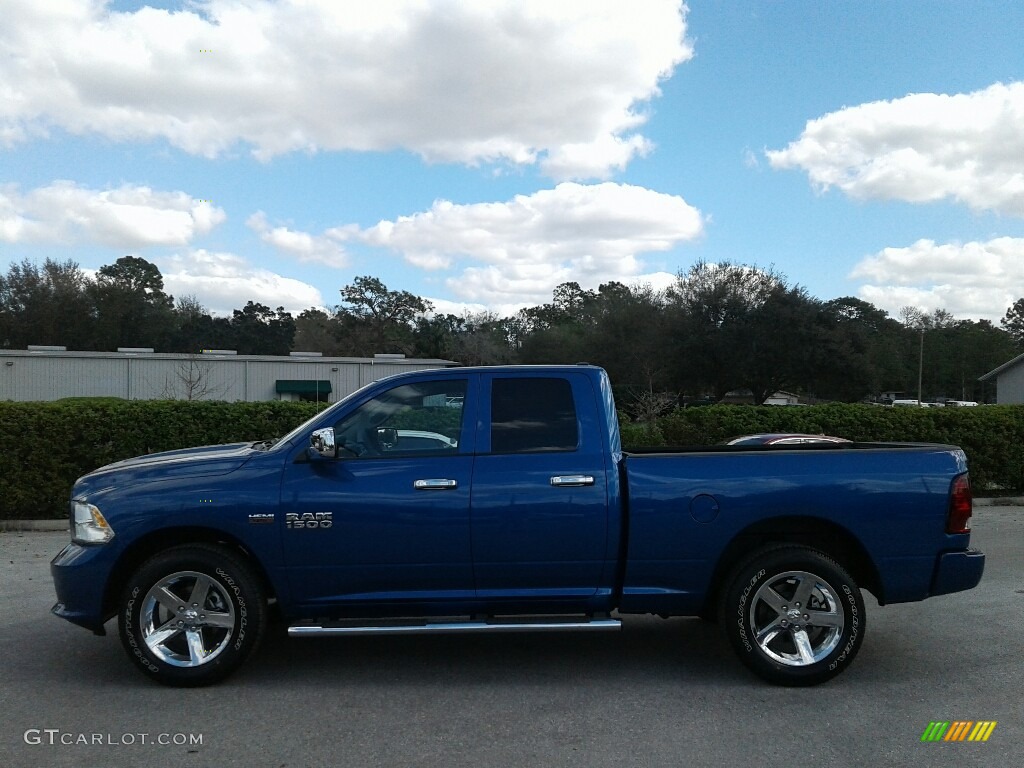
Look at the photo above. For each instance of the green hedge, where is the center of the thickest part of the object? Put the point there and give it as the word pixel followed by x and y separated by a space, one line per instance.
pixel 991 436
pixel 44 447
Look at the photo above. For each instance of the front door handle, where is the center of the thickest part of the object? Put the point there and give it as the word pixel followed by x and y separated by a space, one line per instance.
pixel 572 481
pixel 435 484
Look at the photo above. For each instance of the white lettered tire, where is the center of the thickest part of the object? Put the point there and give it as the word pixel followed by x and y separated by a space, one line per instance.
pixel 793 615
pixel 191 615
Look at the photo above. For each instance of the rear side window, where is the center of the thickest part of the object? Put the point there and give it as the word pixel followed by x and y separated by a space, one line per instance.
pixel 529 415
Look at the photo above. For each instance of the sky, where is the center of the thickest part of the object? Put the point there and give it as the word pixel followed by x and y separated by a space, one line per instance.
pixel 479 154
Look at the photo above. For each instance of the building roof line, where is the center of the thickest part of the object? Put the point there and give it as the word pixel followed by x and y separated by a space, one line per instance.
pixel 1001 368
pixel 299 359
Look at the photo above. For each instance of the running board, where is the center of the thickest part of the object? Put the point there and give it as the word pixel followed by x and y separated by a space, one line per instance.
pixel 454 627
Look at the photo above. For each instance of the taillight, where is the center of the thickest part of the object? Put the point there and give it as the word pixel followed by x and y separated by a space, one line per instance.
pixel 960 505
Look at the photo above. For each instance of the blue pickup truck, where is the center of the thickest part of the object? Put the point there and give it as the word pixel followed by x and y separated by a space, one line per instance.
pixel 500 500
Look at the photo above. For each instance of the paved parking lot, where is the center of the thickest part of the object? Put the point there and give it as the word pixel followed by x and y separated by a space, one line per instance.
pixel 661 693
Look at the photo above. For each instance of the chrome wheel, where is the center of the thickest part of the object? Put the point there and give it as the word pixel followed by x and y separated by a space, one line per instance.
pixel 796 618
pixel 187 619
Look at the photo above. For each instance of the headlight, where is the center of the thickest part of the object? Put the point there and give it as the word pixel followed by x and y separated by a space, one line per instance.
pixel 90 526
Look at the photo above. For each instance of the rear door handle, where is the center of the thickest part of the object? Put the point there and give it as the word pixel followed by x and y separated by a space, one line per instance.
pixel 435 484
pixel 572 481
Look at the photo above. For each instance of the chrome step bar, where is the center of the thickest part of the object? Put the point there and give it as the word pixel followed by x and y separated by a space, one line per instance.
pixel 455 627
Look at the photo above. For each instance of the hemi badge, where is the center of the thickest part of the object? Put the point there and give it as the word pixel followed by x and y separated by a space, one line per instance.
pixel 261 518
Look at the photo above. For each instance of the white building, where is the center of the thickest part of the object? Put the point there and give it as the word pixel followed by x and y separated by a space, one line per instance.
pixel 1009 379
pixel 52 373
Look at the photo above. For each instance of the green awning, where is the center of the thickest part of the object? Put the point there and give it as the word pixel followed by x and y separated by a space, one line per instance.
pixel 304 386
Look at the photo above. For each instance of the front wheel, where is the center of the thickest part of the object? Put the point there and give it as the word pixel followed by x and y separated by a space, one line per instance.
pixel 793 615
pixel 191 615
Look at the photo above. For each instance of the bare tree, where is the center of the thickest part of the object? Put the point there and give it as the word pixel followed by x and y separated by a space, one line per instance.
pixel 647 407
pixel 917 319
pixel 483 341
pixel 191 380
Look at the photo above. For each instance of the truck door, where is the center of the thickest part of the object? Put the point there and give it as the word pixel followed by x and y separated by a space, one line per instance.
pixel 539 500
pixel 388 521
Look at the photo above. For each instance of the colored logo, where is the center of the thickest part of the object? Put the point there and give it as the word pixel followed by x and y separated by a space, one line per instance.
pixel 958 730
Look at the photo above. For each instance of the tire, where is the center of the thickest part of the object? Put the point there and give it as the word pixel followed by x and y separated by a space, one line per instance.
pixel 222 611
pixel 794 616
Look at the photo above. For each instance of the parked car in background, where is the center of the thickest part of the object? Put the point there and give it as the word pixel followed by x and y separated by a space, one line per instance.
pixel 782 438
pixel 416 440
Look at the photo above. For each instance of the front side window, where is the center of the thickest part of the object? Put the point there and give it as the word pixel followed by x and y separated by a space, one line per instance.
pixel 418 419
pixel 530 415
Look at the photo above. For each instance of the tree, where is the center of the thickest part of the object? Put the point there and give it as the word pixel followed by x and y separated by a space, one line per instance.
pixel 556 331
pixel 483 340
pixel 259 330
pixel 720 293
pixel 854 310
pixel 317 331
pixel 709 308
pixel 646 407
pixel 621 328
pixel 1013 321
pixel 862 353
pixel 376 319
pixel 192 379
pixel 781 342
pixel 913 317
pixel 194 329
pixel 434 335
pixel 956 355
pixel 628 336
pixel 132 308
pixel 46 305
pixel 940 318
pixel 955 352
pixel 568 307
pixel 136 276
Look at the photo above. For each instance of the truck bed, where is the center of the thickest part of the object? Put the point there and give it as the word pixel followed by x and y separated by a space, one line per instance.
pixel 687 506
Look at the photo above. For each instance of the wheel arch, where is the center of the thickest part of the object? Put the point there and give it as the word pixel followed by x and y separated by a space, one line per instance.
pixel 824 535
pixel 163 539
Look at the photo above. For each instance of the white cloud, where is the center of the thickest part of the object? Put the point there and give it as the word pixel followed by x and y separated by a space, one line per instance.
pixel 976 279
pixel 921 148
pixel 324 249
pixel 658 281
pixel 596 159
pixel 223 282
pixel 514 253
pixel 510 81
pixel 126 217
pixel 458 308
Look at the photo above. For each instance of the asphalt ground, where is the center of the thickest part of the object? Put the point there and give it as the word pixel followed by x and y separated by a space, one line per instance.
pixel 660 693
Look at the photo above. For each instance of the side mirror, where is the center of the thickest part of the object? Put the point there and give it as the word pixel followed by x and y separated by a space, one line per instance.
pixel 322 444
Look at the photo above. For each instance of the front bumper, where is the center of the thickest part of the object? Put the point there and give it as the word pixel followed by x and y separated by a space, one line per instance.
pixel 80 575
pixel 957 571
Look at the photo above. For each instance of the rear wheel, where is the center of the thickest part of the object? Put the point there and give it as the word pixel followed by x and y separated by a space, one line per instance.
pixel 793 615
pixel 191 615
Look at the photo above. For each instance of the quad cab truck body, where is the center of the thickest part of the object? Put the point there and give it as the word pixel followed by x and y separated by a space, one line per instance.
pixel 500 500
